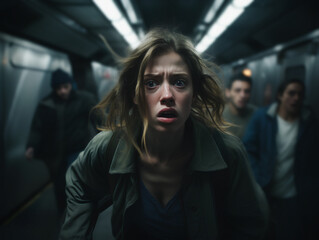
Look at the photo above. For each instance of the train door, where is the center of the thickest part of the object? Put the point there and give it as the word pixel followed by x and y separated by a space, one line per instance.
pixel 265 75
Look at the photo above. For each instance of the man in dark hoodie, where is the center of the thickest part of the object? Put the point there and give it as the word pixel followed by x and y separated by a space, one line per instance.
pixel 60 129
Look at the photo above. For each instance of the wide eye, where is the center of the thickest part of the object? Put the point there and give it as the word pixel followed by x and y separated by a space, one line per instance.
pixel 150 84
pixel 180 83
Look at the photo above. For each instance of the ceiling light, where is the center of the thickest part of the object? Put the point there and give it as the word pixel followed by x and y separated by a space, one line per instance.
pixel 111 11
pixel 210 37
pixel 229 15
pixel 242 3
pixel 204 43
pixel 109 8
pixel 122 26
pixel 130 11
pixel 216 30
pixel 278 47
pixel 212 11
pixel 141 33
pixel 247 72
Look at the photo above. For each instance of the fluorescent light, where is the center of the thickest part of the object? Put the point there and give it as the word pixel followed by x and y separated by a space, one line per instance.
pixel 141 33
pixel 120 23
pixel 123 26
pixel 212 34
pixel 278 47
pixel 216 30
pixel 130 11
pixel 204 43
pixel 109 9
pixel 229 15
pixel 133 40
pixel 242 3
pixel 212 11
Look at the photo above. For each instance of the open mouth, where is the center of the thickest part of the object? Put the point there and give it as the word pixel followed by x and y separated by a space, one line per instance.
pixel 167 113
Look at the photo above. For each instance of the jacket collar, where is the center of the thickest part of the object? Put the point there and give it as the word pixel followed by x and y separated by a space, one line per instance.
pixel 305 112
pixel 272 110
pixel 207 156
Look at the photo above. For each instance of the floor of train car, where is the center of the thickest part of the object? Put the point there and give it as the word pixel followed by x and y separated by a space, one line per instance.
pixel 39 220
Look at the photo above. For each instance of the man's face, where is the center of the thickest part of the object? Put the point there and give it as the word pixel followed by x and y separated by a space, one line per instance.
pixel 63 90
pixel 168 92
pixel 292 97
pixel 239 94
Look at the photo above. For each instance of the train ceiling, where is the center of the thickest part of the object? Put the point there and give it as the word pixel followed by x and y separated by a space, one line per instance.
pixel 74 26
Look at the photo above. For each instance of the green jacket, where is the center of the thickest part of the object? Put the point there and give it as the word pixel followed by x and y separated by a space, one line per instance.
pixel 246 208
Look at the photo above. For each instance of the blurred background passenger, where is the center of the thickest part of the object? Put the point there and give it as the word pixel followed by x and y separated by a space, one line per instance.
pixel 238 111
pixel 60 129
pixel 282 144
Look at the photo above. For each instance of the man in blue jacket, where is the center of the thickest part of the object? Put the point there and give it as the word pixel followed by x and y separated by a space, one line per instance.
pixel 282 143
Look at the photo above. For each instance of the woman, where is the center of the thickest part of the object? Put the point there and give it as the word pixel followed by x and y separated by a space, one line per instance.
pixel 173 173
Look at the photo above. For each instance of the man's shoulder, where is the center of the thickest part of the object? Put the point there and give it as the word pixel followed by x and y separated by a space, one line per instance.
pixel 308 114
pixel 251 108
pixel 227 114
pixel 266 110
pixel 47 101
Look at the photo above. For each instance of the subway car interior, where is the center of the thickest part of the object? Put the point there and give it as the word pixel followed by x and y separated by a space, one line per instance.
pixel 275 40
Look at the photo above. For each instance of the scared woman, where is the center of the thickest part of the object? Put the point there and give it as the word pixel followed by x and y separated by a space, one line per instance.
pixel 164 156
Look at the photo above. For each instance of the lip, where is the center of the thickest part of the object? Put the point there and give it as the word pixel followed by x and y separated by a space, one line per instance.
pixel 170 111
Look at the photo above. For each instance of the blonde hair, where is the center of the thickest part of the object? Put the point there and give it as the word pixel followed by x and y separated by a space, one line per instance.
pixel 125 104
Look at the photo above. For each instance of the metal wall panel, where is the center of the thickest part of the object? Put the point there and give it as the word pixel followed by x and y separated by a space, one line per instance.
pixel 25 80
pixel 265 76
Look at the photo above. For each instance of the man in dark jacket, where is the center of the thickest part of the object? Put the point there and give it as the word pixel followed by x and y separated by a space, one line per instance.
pixel 282 143
pixel 60 129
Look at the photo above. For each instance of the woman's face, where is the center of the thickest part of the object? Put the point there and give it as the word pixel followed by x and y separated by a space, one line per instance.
pixel 168 92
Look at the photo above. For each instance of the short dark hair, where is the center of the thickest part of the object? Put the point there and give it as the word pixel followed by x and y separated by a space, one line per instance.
pixel 59 77
pixel 283 85
pixel 239 77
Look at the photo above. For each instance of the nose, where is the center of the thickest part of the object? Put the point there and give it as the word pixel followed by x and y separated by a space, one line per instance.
pixel 167 97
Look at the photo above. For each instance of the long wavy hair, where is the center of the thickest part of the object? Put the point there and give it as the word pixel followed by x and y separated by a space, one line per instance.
pixel 125 106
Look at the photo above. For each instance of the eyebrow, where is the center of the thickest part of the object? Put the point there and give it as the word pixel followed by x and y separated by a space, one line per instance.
pixel 174 74
pixel 151 75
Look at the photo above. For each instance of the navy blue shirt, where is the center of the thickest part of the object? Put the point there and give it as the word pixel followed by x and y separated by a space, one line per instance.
pixel 148 219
